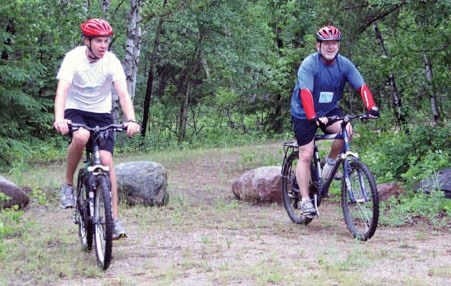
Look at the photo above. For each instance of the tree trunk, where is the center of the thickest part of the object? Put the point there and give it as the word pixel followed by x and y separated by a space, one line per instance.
pixel 132 52
pixel 275 115
pixel 106 5
pixel 184 113
pixel 133 46
pixel 400 119
pixel 151 76
pixel 430 89
pixel 194 68
pixel 10 31
pixel 277 124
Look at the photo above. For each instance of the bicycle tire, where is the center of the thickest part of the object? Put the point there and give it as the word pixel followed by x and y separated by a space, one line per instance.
pixel 290 191
pixel 360 200
pixel 103 222
pixel 85 229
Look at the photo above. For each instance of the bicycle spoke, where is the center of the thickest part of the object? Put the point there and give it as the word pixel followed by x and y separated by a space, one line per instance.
pixel 85 230
pixel 104 223
pixel 359 201
pixel 290 191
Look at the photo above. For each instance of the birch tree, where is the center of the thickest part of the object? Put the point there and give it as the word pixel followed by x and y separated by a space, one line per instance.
pixel 430 87
pixel 397 104
pixel 133 46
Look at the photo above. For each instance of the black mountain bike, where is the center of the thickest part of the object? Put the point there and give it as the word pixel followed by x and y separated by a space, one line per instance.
pixel 92 210
pixel 359 197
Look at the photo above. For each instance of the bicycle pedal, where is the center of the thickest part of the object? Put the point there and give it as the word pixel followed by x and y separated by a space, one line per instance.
pixel 76 218
pixel 310 216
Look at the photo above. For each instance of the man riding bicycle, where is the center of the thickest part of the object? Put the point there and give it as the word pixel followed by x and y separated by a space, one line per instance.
pixel 83 95
pixel 320 83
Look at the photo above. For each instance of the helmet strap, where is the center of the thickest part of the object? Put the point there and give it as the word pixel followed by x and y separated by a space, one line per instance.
pixel 92 57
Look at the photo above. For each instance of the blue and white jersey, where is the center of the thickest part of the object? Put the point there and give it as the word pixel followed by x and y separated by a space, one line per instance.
pixel 326 83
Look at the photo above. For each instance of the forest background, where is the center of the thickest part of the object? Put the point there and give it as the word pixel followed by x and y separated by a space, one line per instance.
pixel 211 73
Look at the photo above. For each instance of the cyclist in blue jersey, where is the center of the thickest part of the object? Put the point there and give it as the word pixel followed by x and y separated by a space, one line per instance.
pixel 320 83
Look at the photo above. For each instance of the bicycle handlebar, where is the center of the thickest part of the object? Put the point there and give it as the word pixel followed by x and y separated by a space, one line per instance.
pixel 115 127
pixel 348 118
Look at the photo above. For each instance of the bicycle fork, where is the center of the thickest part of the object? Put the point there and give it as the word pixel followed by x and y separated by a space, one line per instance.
pixel 363 195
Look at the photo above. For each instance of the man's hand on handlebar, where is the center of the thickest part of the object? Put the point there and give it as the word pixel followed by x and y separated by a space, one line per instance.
pixel 373 112
pixel 62 126
pixel 132 127
pixel 320 121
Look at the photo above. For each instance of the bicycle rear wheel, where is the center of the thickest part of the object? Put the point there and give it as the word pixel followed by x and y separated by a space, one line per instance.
pixel 360 200
pixel 290 191
pixel 103 222
pixel 85 230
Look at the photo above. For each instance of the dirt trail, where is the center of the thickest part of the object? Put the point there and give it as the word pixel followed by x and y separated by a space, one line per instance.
pixel 206 237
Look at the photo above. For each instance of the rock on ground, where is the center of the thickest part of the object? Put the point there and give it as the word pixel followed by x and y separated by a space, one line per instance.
pixel 142 182
pixel 15 195
pixel 259 185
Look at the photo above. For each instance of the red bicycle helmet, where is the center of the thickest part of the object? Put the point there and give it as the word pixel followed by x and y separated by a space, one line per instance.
pixel 328 33
pixel 96 28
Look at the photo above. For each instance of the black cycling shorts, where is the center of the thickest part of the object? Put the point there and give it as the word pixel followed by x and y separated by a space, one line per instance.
pixel 305 130
pixel 92 119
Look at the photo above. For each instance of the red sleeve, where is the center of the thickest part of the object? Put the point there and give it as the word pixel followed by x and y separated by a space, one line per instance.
pixel 307 103
pixel 367 97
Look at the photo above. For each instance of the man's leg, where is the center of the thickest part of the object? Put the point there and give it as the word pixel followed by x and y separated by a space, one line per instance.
pixel 107 159
pixel 74 153
pixel 303 168
pixel 303 178
pixel 336 148
pixel 304 131
pixel 337 145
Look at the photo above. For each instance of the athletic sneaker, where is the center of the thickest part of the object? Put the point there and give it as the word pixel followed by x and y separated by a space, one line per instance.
pixel 67 197
pixel 307 208
pixel 119 230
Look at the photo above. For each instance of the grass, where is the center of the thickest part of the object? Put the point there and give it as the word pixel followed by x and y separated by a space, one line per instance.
pixel 206 237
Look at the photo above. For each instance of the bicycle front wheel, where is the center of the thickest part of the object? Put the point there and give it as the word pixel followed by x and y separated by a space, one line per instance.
pixel 103 222
pixel 360 200
pixel 291 195
pixel 82 217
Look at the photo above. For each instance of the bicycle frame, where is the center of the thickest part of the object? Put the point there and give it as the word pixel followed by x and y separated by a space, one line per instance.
pixel 344 154
pixel 93 168
pixel 323 185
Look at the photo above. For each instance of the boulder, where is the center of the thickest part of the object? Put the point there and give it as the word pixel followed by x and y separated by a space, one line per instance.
pixel 15 195
pixel 259 185
pixel 388 190
pixel 142 182
pixel 441 181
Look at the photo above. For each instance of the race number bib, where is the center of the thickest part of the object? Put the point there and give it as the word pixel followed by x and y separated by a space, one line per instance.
pixel 325 97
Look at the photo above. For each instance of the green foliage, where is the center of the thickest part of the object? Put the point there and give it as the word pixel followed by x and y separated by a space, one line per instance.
pixel 406 157
pixel 406 209
pixel 430 164
pixel 9 222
